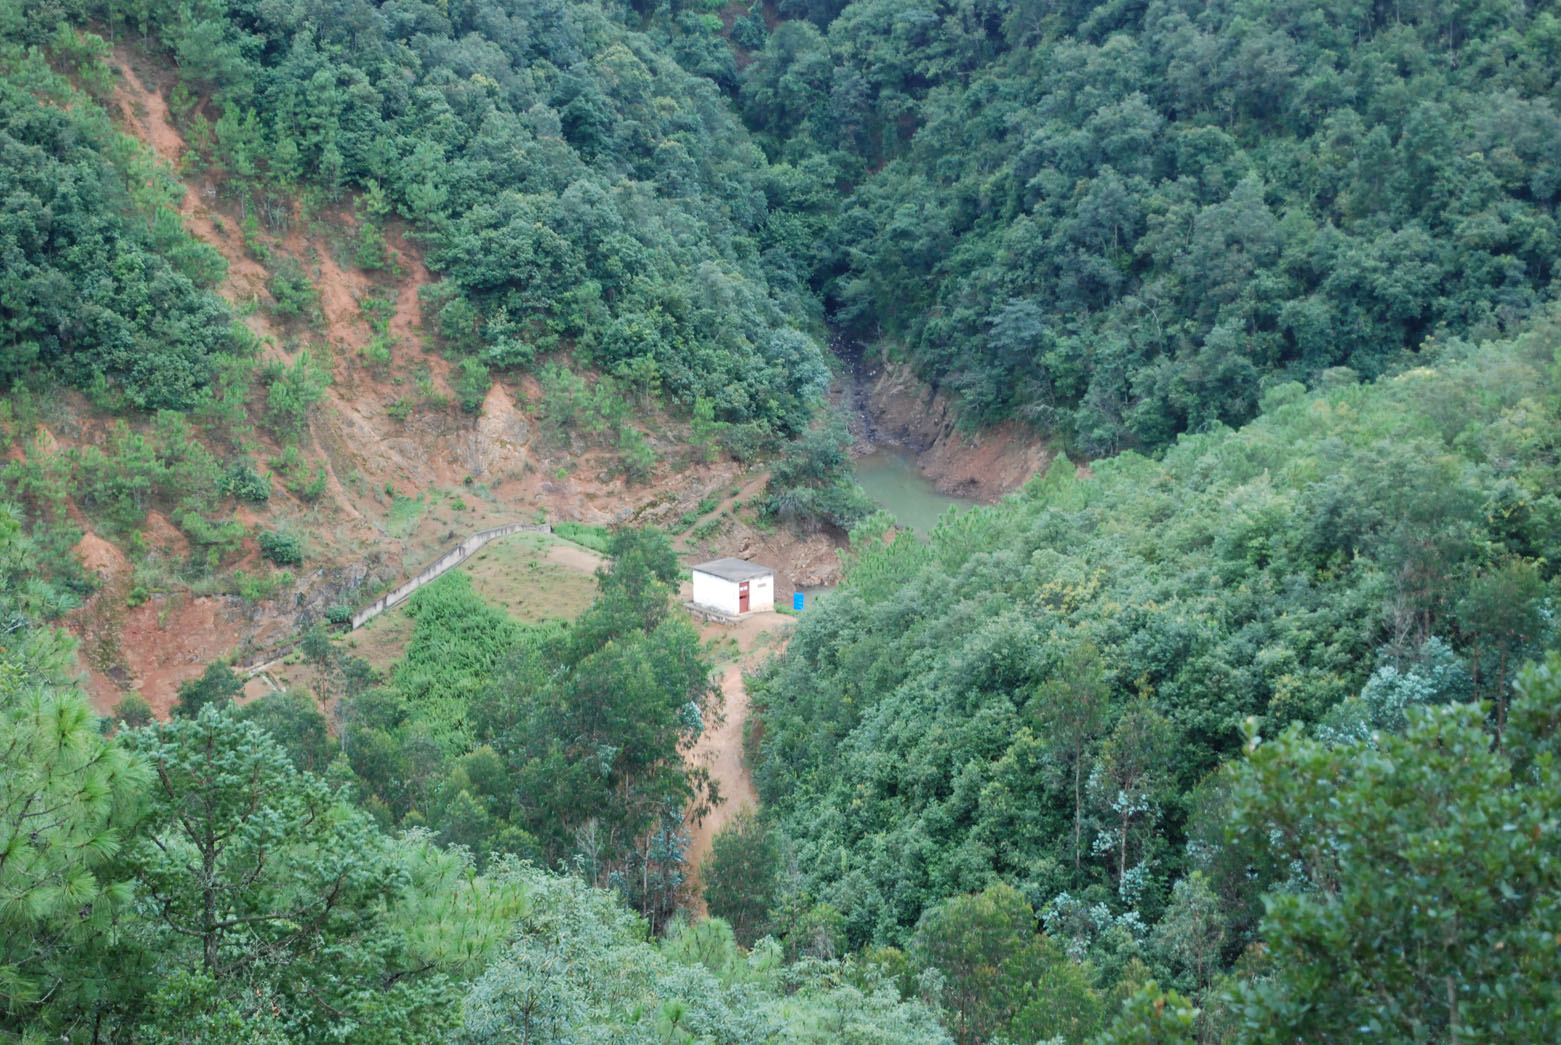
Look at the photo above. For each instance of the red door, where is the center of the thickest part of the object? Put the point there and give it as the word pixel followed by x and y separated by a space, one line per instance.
pixel 742 597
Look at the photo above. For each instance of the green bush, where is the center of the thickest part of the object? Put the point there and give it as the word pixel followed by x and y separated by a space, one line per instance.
pixel 284 549
pixel 133 711
pixel 596 538
pixel 294 296
pixel 472 382
pixel 370 251
pixel 291 391
pixel 243 483
pixel 258 587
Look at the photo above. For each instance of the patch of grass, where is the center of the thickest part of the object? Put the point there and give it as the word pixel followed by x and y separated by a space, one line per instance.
pixel 404 515
pixel 705 530
pixel 513 574
pixel 516 575
pixel 585 535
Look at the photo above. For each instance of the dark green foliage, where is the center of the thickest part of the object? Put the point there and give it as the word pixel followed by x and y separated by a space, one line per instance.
pixel 1001 979
pixel 573 185
pixel 812 485
pixel 559 742
pixel 1039 694
pixel 133 711
pixel 217 686
pixel 243 483
pixel 282 548
pixel 296 725
pixel 99 277
pixel 192 882
pixel 1120 222
pixel 742 877
pixel 293 296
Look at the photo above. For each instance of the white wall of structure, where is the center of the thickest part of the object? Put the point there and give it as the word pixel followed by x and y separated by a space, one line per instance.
pixel 715 592
pixel 724 595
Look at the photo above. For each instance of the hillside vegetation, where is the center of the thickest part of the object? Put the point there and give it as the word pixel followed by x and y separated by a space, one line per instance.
pixel 573 186
pixel 1242 729
pixel 1122 221
pixel 1055 694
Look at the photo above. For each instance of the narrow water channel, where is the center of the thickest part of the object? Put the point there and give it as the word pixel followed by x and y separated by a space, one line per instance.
pixel 890 478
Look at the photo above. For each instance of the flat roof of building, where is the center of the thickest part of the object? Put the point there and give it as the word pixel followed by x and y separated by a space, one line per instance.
pixel 733 569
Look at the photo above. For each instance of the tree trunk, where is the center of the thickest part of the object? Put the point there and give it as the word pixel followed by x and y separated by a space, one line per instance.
pixel 1078 808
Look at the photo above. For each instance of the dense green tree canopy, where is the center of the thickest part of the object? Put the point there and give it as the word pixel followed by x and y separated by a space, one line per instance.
pixel 100 279
pixel 1123 221
pixel 1040 694
pixel 573 185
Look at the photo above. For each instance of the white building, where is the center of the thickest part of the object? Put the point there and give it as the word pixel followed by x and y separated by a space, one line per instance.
pixel 734 586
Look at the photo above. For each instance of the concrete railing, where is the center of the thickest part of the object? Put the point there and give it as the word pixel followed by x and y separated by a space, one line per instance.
pixel 445 563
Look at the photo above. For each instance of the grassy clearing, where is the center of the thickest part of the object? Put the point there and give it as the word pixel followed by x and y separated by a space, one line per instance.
pixel 514 574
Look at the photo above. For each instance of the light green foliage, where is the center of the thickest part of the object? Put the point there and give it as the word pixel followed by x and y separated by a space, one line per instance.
pixel 458 642
pixel 370 250
pixel 307 486
pixel 1427 874
pixel 290 393
pixel 67 799
pixel 472 382
pixel 579 971
pixel 596 538
pixel 1075 663
pixel 268 894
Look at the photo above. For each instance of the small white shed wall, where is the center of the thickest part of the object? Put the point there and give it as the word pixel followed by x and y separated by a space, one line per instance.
pixel 717 593
pixel 720 593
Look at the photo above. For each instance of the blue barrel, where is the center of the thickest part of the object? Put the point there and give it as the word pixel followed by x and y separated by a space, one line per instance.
pixel 796 601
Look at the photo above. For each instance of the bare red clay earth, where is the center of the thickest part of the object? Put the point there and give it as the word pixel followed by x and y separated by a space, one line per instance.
pixel 498 463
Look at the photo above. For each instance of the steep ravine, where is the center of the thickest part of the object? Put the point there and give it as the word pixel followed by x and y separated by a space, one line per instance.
pixel 890 406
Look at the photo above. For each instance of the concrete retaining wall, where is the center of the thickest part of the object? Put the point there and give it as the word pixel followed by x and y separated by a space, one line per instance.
pixel 445 563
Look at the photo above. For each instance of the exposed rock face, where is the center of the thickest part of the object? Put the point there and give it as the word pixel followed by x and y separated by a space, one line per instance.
pixel 902 410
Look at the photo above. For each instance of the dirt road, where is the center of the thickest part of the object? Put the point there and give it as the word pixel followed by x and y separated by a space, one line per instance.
pixel 720 747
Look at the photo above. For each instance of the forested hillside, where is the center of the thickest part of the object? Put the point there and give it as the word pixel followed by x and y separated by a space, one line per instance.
pixel 1055 694
pixel 1121 221
pixel 574 187
pixel 1237 724
pixel 191 881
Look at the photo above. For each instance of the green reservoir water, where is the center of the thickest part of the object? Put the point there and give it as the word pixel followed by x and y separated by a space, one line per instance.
pixel 891 479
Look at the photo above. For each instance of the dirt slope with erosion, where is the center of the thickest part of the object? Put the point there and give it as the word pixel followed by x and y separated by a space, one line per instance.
pixel 408 472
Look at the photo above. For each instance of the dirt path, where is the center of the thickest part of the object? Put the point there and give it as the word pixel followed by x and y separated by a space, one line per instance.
pixel 720 747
